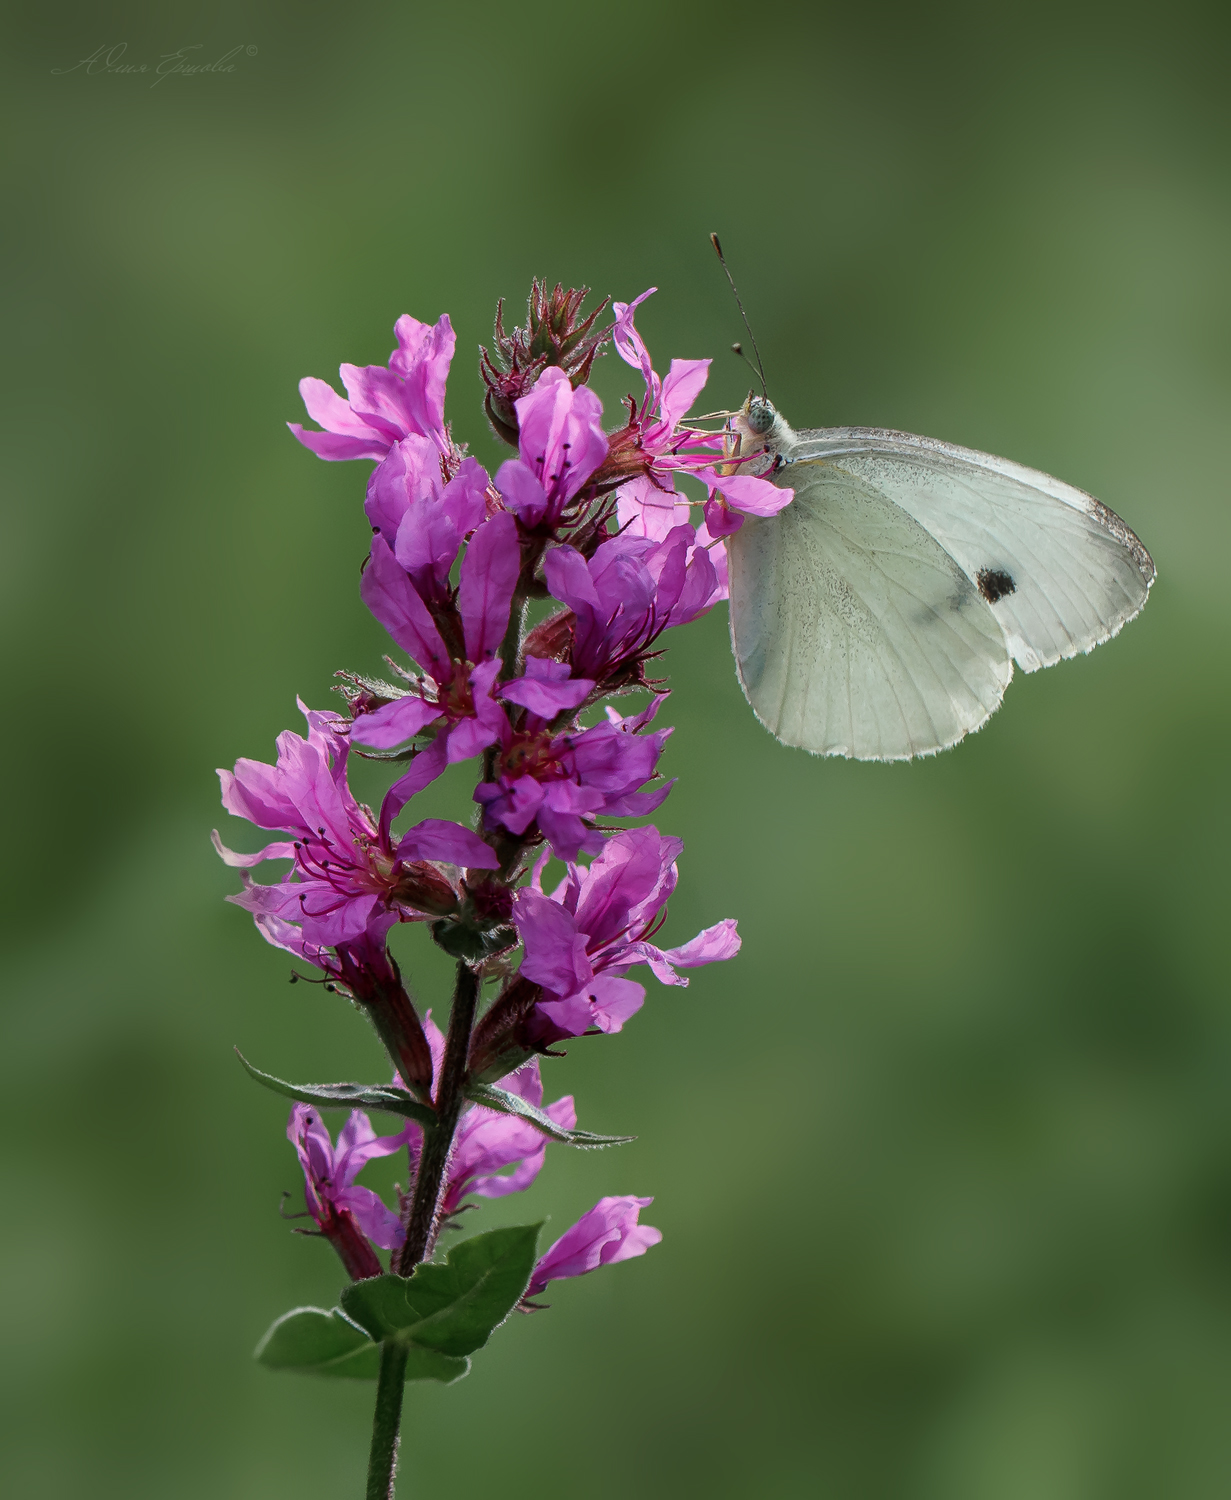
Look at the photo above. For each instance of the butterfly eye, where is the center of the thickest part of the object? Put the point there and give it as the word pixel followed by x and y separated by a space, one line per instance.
pixel 761 416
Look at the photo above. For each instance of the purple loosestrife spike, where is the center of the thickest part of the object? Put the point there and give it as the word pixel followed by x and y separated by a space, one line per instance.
pixel 457 559
pixel 347 1215
pixel 608 1233
pixel 582 939
pixel 384 405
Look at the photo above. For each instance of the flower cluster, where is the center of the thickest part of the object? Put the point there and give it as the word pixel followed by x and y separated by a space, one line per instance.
pixel 519 602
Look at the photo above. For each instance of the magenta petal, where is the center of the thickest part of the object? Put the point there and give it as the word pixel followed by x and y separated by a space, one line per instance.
pixel 547 699
pixel 521 491
pixel 569 579
pixel 307 1133
pixel 560 433
pixel 327 408
pixel 393 723
pixel 330 919
pixel 375 394
pixel 555 950
pixel 720 519
pixel 649 510
pixel 721 941
pixel 638 804
pixel 756 497
pixel 422 358
pixel 378 1223
pixel 488 579
pixel 409 476
pixel 634 1241
pixel 614 1001
pixel 629 344
pixel 437 838
pixel 285 935
pixel 468 737
pixel 513 807
pixel 335 448
pixel 247 861
pixel 359 1144
pixel 573 1016
pixel 424 769
pixel 465 496
pixel 392 598
pixel 598 1238
pixel 682 386
pixel 564 830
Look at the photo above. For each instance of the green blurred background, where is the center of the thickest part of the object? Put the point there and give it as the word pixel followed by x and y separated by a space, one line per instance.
pixel 943 1160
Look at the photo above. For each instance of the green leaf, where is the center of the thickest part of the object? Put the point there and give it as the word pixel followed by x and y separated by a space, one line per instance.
pixel 315 1342
pixel 454 1307
pixel 386 1096
pixel 510 1104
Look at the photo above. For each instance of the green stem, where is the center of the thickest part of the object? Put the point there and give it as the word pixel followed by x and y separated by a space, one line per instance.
pixel 421 1229
pixel 382 1461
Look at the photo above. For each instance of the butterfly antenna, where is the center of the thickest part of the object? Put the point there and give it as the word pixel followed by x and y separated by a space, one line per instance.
pixel 737 347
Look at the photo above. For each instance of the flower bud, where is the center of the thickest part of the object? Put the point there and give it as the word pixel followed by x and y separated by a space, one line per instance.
pixel 425 887
pixel 513 1030
pixel 463 938
pixel 555 334
pixel 552 638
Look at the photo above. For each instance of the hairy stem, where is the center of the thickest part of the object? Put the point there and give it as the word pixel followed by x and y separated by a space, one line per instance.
pixel 382 1460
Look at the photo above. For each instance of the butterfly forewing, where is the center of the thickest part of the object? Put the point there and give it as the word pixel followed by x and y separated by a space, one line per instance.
pixel 1061 571
pixel 877 615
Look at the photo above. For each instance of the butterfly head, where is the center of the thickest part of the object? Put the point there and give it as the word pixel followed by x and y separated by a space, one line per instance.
pixel 760 427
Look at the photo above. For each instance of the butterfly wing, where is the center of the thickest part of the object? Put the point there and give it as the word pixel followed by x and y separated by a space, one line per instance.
pixel 1061 571
pixel 879 614
pixel 855 633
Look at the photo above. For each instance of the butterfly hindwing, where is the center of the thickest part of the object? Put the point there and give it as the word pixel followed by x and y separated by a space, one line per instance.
pixel 855 633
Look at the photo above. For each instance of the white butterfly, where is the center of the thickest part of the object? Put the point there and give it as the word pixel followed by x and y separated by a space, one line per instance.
pixel 878 616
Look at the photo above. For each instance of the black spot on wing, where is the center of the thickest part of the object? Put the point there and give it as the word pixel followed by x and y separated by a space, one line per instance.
pixel 995 584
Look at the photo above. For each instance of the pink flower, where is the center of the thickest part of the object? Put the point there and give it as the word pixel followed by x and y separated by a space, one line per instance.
pixel 627 594
pixel 608 1233
pixel 649 504
pixel 455 693
pixel 582 939
pixel 566 781
pixel 383 405
pixel 348 1216
pixel 561 442
pixel 412 482
pixel 346 870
